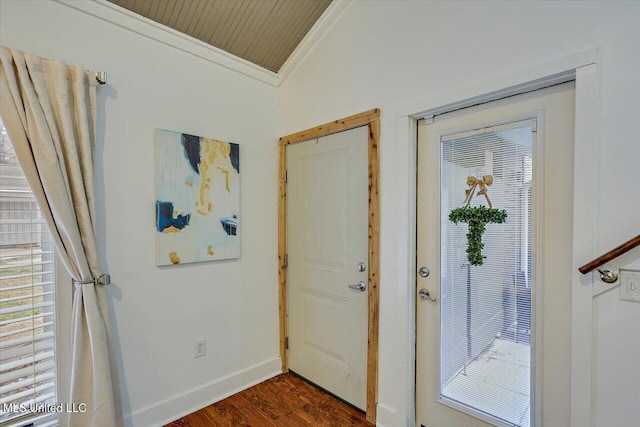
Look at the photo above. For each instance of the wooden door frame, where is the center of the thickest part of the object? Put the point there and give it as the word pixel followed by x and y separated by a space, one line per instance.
pixel 371 119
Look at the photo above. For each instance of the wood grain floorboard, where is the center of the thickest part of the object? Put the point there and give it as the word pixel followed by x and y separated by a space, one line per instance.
pixel 282 401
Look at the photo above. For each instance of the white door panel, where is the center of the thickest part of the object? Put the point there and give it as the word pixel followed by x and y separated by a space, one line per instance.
pixel 479 347
pixel 327 236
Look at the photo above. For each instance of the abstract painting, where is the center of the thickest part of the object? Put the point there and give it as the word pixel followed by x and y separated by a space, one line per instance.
pixel 197 198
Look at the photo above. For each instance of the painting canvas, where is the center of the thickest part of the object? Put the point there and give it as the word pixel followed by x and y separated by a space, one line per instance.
pixel 197 198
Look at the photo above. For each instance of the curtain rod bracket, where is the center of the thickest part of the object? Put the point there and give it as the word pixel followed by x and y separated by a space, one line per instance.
pixel 101 77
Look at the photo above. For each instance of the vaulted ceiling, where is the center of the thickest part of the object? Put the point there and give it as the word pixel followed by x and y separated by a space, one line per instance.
pixel 264 32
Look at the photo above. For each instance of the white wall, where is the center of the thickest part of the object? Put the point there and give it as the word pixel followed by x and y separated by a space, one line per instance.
pixel 160 312
pixel 378 54
pixel 391 54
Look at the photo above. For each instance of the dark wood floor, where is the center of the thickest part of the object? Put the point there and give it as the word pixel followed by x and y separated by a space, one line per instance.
pixel 282 401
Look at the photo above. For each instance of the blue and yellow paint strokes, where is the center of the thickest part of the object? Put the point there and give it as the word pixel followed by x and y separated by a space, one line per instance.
pixel 168 221
pixel 197 198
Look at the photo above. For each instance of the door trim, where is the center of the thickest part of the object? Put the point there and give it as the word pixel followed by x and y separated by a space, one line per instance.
pixel 581 67
pixel 370 118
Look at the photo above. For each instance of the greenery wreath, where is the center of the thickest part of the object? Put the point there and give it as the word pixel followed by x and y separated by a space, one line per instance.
pixel 477 217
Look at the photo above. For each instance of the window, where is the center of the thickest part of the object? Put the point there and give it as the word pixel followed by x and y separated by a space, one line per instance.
pixel 27 301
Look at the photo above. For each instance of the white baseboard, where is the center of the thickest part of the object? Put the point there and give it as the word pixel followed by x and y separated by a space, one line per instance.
pixel 387 417
pixel 183 404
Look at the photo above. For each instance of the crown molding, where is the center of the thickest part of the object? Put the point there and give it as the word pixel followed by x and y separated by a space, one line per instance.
pixel 123 18
pixel 319 29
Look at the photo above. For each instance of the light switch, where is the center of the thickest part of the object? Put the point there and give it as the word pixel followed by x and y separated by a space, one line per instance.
pixel 630 285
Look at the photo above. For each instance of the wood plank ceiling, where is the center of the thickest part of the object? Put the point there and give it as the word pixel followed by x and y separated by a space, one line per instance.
pixel 264 32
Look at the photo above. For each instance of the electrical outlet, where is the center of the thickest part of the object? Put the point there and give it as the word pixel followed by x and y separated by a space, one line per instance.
pixel 630 285
pixel 201 348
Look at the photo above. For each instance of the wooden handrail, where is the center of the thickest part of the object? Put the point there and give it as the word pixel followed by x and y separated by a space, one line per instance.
pixel 613 253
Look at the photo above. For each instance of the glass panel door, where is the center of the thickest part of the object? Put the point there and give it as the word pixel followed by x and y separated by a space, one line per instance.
pixel 485 314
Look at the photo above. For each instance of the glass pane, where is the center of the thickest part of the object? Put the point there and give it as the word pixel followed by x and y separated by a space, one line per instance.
pixel 486 309
pixel 27 318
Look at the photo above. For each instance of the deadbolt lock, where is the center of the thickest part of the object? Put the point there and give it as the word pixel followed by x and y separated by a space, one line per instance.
pixel 423 272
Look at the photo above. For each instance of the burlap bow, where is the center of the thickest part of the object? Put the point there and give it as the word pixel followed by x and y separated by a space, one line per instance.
pixel 474 183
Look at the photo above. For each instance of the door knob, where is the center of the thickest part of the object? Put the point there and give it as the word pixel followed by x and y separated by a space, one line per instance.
pixel 424 271
pixel 424 294
pixel 360 286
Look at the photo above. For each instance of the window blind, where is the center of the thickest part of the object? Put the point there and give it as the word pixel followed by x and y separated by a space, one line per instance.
pixel 27 301
pixel 486 309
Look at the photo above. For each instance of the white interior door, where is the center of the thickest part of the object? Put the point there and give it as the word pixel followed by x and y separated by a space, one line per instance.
pixel 480 344
pixel 327 246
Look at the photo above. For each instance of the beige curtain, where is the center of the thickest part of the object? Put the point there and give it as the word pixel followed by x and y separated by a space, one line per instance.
pixel 49 111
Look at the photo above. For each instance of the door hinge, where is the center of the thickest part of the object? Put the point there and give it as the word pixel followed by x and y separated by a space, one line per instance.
pixel 285 176
pixel 286 260
pixel 286 343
